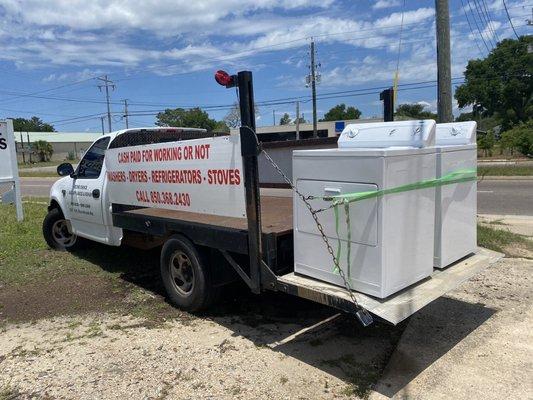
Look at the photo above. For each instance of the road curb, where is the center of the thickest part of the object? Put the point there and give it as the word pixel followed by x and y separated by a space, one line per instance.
pixel 506 178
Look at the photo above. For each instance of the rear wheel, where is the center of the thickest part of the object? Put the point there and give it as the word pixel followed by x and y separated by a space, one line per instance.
pixel 56 232
pixel 185 275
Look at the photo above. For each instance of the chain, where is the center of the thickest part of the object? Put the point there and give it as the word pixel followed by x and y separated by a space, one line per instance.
pixel 362 314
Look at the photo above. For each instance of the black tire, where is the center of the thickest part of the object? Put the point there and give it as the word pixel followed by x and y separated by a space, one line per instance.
pixel 186 276
pixel 54 228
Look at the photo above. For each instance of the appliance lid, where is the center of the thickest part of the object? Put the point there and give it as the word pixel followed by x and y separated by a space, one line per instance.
pixel 456 133
pixel 418 133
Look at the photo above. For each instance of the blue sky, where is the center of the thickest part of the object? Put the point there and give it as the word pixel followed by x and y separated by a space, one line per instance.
pixel 163 53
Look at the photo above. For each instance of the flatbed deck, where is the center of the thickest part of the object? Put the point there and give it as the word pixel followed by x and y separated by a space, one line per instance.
pixel 224 233
pixel 276 216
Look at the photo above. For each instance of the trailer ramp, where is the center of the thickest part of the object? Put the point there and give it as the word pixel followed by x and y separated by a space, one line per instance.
pixel 401 305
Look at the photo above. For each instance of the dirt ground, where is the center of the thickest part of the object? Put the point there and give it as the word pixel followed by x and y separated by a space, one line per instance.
pixel 475 342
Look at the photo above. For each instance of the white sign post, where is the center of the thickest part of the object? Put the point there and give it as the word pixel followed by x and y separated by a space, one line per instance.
pixel 8 165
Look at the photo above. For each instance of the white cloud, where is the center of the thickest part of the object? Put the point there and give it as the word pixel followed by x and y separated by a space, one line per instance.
pixel 166 17
pixel 380 4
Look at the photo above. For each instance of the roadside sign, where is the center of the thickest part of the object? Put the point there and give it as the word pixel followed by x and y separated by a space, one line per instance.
pixel 339 127
pixel 8 165
pixel 201 175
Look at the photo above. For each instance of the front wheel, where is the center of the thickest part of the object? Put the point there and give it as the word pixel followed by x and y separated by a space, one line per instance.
pixel 56 232
pixel 186 278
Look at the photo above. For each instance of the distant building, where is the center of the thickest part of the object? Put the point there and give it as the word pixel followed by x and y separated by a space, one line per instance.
pixel 65 144
pixel 275 133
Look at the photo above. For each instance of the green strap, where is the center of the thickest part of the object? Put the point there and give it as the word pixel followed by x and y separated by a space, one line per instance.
pixel 459 176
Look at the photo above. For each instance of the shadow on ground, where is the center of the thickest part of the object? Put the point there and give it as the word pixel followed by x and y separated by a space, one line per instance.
pixel 342 348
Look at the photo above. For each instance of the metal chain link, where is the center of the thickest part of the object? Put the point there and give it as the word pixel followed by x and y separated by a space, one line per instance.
pixel 362 314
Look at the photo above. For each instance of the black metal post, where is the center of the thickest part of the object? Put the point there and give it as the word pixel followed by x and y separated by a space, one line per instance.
pixel 387 96
pixel 249 152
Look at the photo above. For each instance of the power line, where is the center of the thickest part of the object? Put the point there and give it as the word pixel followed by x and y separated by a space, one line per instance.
pixel 484 21
pixel 491 20
pixel 470 27
pixel 477 25
pixel 510 20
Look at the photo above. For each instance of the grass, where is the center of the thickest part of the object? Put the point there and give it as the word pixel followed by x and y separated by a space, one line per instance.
pixel 361 377
pixel 502 240
pixel 125 279
pixel 39 164
pixel 38 174
pixel 505 170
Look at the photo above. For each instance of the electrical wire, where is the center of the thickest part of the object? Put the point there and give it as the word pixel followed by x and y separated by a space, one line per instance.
pixel 477 26
pixel 484 21
pixel 510 20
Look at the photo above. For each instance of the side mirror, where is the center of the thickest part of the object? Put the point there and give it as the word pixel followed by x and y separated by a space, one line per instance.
pixel 65 169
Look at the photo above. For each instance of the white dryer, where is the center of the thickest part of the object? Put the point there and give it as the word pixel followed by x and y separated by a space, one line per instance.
pixel 392 236
pixel 455 204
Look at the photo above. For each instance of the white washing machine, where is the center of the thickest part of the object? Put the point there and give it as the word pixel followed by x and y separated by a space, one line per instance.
pixel 455 204
pixel 392 235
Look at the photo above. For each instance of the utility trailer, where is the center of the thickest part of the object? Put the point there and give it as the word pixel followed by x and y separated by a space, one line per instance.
pixel 202 251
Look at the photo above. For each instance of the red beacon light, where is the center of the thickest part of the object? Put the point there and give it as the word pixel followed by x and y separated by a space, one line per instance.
pixel 224 79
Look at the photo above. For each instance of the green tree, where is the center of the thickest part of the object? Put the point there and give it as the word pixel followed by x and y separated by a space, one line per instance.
pixel 285 119
pixel 415 111
pixel 221 126
pixel 341 112
pixel 520 137
pixel 501 84
pixel 486 143
pixel 193 118
pixel 43 149
pixel 34 124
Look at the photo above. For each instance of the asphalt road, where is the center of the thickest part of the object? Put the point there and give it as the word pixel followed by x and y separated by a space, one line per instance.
pixel 504 197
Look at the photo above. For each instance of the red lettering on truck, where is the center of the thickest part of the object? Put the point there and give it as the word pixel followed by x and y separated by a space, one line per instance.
pixel 224 177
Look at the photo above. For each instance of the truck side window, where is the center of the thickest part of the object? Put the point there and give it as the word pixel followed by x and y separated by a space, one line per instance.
pixel 91 164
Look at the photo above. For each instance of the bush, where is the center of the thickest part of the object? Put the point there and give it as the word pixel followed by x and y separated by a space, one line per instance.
pixel 520 138
pixel 486 143
pixel 43 149
pixel 71 156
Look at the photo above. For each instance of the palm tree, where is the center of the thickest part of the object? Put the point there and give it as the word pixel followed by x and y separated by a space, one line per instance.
pixel 43 149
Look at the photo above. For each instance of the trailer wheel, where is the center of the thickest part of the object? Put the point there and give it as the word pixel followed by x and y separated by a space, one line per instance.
pixel 185 276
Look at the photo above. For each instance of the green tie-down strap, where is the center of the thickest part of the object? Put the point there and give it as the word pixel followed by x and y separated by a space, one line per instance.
pixel 459 176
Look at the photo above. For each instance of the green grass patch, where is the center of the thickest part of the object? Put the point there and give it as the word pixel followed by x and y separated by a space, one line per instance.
pixel 502 240
pixel 505 170
pixel 38 174
pixel 39 164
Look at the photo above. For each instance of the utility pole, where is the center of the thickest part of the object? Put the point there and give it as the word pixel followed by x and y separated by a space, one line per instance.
pixel 313 86
pixel 387 96
pixel 126 113
pixel 102 120
pixel 274 117
pixel 297 120
pixel 444 74
pixel 107 84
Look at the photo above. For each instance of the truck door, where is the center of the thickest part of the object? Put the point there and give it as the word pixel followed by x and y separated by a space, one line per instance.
pixel 86 197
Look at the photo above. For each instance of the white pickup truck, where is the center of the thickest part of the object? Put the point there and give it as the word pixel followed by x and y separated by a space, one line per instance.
pixel 190 192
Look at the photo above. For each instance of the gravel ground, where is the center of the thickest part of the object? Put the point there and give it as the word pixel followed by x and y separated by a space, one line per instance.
pixel 477 341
